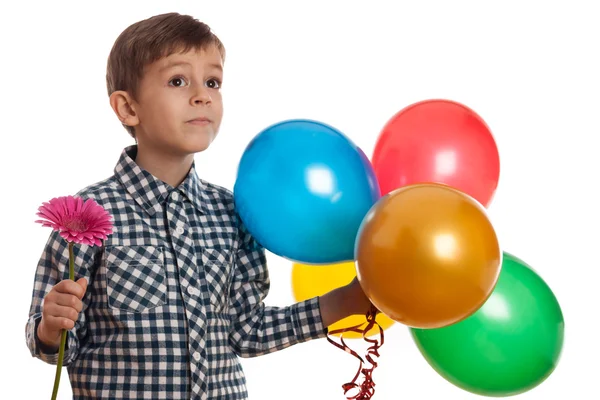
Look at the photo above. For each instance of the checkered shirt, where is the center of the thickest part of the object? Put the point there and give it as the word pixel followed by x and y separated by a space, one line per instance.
pixel 175 294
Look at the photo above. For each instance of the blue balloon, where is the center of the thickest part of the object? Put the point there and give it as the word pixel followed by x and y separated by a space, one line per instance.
pixel 302 191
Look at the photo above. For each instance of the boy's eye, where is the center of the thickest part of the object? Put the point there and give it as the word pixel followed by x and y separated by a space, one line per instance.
pixel 213 84
pixel 177 82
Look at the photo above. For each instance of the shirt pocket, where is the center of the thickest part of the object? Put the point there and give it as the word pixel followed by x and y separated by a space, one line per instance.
pixel 218 272
pixel 135 278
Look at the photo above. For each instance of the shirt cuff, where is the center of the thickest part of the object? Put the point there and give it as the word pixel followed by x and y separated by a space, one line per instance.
pixel 308 324
pixel 40 350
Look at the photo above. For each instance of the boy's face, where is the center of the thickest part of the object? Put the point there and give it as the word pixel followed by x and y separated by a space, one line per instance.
pixel 178 104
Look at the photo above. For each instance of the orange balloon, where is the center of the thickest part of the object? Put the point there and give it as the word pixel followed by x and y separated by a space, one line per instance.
pixel 427 255
pixel 309 281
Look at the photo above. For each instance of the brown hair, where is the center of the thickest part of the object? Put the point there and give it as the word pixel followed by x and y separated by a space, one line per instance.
pixel 148 40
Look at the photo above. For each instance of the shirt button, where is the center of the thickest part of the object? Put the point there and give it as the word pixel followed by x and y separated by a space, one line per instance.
pixel 180 230
pixel 196 356
pixel 191 290
pixel 175 196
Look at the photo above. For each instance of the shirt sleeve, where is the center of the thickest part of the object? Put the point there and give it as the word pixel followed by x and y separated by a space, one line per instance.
pixel 53 267
pixel 258 329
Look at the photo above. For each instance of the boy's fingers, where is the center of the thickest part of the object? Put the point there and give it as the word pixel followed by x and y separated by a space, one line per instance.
pixel 68 300
pixel 83 283
pixel 58 311
pixel 58 323
pixel 70 287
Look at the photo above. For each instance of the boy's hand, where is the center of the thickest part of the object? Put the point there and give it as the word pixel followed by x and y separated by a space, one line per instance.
pixel 360 303
pixel 343 302
pixel 61 308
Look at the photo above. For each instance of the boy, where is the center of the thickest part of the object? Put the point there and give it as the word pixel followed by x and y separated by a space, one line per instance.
pixel 173 297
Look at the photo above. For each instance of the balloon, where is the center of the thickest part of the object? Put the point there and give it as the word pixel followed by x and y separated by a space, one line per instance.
pixel 427 255
pixel 438 141
pixel 309 281
pixel 302 190
pixel 509 346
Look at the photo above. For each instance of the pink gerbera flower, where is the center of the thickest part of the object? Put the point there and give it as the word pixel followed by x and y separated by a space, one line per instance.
pixel 79 221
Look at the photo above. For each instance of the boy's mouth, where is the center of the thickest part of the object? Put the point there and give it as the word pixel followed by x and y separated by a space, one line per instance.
pixel 199 121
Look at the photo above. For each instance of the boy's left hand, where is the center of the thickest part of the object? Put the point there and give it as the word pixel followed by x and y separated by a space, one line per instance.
pixel 359 302
pixel 343 302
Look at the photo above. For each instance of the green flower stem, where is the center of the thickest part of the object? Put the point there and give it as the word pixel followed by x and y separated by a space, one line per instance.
pixel 63 337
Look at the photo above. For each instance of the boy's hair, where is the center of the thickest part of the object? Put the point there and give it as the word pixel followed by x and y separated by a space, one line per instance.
pixel 147 41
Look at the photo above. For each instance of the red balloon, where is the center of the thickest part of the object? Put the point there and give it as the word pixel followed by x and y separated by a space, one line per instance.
pixel 438 141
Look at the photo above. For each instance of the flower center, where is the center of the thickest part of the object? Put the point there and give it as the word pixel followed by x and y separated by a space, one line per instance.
pixel 74 223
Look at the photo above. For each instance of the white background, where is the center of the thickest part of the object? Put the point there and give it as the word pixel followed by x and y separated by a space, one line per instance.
pixel 530 69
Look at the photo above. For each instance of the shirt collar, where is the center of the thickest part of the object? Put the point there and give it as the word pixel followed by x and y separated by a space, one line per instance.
pixel 150 192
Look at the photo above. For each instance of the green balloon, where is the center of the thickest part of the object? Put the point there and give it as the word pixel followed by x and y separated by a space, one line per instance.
pixel 509 346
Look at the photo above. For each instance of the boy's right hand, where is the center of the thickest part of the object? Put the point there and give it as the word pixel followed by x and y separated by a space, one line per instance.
pixel 61 308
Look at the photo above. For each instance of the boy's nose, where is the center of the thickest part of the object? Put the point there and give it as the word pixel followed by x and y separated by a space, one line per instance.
pixel 200 97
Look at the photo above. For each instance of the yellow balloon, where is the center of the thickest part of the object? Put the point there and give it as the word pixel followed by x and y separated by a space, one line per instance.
pixel 309 281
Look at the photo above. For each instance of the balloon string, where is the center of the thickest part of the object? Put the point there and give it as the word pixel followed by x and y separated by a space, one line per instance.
pixel 366 389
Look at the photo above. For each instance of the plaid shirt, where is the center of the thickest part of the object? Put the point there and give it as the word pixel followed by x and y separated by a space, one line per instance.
pixel 174 295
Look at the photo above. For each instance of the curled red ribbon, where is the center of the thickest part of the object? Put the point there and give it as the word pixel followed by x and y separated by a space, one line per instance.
pixel 366 389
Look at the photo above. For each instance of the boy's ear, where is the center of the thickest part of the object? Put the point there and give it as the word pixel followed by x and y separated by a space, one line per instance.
pixel 123 106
